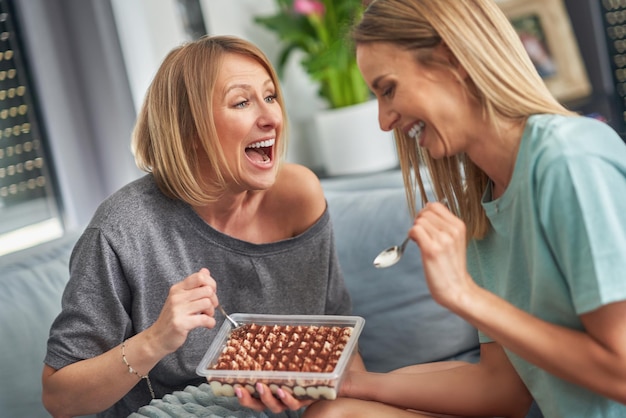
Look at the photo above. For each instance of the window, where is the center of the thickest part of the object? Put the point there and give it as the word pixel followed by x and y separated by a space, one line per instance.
pixel 191 15
pixel 29 208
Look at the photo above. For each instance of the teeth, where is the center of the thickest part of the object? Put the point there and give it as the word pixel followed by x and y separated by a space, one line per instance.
pixel 416 130
pixel 262 144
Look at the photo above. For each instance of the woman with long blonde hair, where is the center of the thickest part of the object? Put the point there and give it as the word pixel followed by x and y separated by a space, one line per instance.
pixel 529 247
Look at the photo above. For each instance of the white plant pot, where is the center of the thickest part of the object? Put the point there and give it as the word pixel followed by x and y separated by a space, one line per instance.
pixel 351 141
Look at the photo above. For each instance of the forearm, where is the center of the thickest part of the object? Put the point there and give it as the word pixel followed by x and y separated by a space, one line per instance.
pixel 95 384
pixel 356 364
pixel 476 389
pixel 570 354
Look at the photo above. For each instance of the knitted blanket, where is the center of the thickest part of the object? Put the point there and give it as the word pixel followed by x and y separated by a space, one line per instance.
pixel 199 401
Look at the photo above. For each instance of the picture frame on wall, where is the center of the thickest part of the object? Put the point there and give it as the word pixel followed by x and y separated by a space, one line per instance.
pixel 546 32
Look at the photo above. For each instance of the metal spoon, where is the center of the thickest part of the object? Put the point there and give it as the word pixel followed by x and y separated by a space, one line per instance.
pixel 232 321
pixel 391 255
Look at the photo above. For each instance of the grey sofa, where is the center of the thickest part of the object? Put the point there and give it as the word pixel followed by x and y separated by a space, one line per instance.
pixel 403 324
pixel 31 283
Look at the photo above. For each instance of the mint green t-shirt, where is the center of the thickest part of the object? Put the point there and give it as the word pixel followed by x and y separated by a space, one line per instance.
pixel 557 247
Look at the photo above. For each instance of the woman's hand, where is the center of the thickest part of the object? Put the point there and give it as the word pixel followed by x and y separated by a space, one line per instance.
pixel 267 400
pixel 190 304
pixel 441 237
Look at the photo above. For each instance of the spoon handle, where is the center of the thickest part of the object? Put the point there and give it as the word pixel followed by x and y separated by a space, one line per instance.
pixel 232 321
pixel 404 243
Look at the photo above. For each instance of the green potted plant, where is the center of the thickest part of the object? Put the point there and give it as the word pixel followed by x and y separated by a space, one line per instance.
pixel 319 29
pixel 346 132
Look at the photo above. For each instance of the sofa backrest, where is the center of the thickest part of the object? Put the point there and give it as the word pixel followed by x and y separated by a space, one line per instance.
pixel 31 284
pixel 403 324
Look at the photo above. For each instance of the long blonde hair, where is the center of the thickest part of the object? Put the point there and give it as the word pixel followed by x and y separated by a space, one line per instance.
pixel 176 120
pixel 501 78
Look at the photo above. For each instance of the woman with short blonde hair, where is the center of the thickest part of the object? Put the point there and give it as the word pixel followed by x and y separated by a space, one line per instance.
pixel 177 118
pixel 217 213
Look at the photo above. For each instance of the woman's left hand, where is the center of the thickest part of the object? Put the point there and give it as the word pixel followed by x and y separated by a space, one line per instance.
pixel 441 237
pixel 267 400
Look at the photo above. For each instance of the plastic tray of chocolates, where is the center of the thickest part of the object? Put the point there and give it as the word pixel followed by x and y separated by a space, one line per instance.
pixel 305 355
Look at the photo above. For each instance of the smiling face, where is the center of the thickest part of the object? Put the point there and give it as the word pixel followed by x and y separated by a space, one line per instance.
pixel 248 120
pixel 426 103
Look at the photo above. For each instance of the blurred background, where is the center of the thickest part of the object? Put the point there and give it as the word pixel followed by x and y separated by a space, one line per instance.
pixel 73 74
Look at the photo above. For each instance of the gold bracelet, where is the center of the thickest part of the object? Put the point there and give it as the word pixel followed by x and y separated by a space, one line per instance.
pixel 133 371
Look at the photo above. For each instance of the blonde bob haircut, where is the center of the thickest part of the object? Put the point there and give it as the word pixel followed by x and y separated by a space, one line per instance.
pixel 176 122
pixel 501 78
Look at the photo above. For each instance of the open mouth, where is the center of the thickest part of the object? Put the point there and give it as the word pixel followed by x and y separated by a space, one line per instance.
pixel 416 130
pixel 261 151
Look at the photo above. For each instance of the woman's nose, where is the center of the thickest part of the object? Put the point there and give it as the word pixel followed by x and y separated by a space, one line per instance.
pixel 270 116
pixel 387 118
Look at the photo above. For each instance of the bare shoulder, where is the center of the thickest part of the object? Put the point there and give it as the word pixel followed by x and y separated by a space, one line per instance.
pixel 300 195
pixel 297 176
pixel 298 185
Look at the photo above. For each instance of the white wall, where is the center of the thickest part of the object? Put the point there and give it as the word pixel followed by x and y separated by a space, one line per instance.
pixel 235 17
pixel 148 29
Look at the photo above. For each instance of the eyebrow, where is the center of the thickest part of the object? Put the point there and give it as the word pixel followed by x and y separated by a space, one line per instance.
pixel 377 81
pixel 243 86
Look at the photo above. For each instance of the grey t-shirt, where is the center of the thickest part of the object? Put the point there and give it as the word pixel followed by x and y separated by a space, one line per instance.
pixel 140 242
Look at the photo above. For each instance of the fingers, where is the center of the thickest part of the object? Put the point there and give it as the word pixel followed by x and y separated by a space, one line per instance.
pixel 196 287
pixel 194 298
pixel 207 288
pixel 437 213
pixel 276 403
pixel 428 224
pixel 269 400
pixel 247 400
pixel 201 278
pixel 435 223
pixel 290 402
pixel 190 304
pixel 441 237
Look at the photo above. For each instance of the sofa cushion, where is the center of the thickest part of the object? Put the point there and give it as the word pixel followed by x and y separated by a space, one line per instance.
pixel 390 179
pixel 404 325
pixel 31 284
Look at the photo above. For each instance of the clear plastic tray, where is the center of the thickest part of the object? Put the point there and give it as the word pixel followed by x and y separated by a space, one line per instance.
pixel 302 385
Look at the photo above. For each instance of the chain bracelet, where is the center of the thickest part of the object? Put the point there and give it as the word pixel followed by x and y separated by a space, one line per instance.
pixel 135 372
